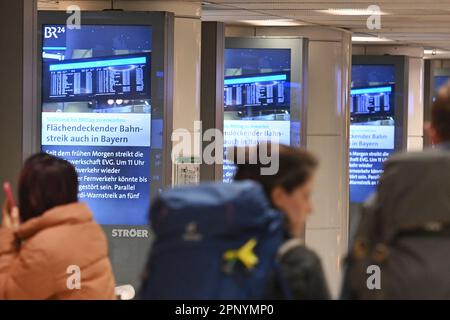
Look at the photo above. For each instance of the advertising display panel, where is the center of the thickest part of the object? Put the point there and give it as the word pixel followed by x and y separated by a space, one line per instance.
pixel 441 77
pixel 376 120
pixel 96 113
pixel 263 98
pixel 105 106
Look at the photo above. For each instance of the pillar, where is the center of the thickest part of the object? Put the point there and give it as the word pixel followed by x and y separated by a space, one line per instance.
pixel 328 82
pixel 17 85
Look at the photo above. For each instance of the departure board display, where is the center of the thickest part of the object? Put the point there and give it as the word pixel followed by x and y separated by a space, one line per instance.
pixel 257 99
pixel 268 91
pixel 97 114
pixel 372 137
pixel 373 102
pixel 125 76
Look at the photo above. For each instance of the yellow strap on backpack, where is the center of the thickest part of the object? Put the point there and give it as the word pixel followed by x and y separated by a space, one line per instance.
pixel 244 254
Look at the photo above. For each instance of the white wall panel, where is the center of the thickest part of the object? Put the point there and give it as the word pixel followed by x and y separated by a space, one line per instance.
pixel 415 97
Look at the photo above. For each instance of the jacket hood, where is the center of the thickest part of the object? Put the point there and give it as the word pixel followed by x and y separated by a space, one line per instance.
pixel 72 213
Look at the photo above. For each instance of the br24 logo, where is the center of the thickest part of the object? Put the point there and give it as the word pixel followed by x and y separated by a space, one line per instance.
pixel 52 32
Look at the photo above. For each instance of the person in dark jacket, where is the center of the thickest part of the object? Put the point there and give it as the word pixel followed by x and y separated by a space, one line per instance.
pixel 405 228
pixel 289 190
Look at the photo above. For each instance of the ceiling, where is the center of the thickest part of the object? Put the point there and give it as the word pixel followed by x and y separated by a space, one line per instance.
pixel 417 22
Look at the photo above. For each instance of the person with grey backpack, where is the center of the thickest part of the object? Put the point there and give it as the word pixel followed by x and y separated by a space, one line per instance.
pixel 400 250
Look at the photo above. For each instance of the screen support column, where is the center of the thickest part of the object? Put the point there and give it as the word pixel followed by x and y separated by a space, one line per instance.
pixel 211 100
pixel 18 31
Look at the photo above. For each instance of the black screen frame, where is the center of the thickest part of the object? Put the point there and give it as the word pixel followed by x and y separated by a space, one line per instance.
pixel 400 64
pixel 298 47
pixel 128 255
pixel 401 77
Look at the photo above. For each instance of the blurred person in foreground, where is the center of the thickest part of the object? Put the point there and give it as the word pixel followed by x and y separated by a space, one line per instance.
pixel 400 250
pixel 240 240
pixel 289 191
pixel 51 238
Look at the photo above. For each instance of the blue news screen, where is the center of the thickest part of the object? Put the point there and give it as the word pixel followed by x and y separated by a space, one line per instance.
pixel 96 113
pixel 439 81
pixel 372 127
pixel 257 99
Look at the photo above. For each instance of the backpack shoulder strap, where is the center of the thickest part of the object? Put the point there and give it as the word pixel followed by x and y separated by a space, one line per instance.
pixel 282 250
pixel 279 277
pixel 288 245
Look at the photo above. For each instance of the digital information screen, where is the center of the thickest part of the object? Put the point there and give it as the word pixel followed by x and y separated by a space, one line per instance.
pixel 85 79
pixel 260 91
pixel 96 105
pixel 371 102
pixel 439 81
pixel 372 137
pixel 248 133
pixel 257 99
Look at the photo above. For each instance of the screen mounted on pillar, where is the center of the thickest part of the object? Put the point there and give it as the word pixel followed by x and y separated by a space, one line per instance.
pixel 372 126
pixel 441 78
pixel 258 92
pixel 96 113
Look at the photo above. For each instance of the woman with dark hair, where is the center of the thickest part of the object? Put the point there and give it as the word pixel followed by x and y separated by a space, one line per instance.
pixel 289 191
pixel 50 247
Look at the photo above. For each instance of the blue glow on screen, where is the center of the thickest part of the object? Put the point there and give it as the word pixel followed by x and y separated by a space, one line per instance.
pixel 54 48
pixel 278 77
pixel 98 63
pixel 88 67
pixel 374 87
pixel 371 90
